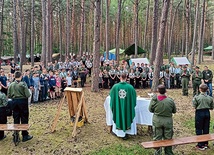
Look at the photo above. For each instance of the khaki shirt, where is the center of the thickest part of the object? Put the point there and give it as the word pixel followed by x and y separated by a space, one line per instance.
pixel 18 90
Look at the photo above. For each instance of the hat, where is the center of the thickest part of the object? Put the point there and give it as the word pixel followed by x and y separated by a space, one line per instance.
pixel 197 67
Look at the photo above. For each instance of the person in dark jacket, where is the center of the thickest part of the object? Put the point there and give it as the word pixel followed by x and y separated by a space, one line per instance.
pixel 3 115
pixel 208 77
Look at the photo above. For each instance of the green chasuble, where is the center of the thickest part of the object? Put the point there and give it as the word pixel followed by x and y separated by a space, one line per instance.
pixel 123 102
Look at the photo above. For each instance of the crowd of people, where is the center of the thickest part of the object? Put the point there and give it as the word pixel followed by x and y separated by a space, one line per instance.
pixel 48 82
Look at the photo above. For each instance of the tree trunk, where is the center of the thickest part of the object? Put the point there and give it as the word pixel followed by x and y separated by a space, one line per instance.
pixel 60 29
pixel 213 41
pixel 15 34
pixel 43 57
pixel 51 35
pixel 96 50
pixel 47 31
pixel 187 28
pixel 22 39
pixel 195 33
pixel 107 28
pixel 1 28
pixel 136 27
pixel 32 33
pixel 200 45
pixel 154 32
pixel 159 55
pixel 82 27
pixel 118 30
pixel 172 30
pixel 73 26
pixel 67 32
pixel 146 25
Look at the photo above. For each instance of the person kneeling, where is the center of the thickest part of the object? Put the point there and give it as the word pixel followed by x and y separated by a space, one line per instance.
pixel 163 108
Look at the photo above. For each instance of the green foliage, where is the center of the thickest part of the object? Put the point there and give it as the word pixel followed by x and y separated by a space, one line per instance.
pixel 122 150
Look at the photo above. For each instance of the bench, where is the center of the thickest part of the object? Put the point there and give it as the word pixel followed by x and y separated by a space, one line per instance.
pixel 178 141
pixel 16 128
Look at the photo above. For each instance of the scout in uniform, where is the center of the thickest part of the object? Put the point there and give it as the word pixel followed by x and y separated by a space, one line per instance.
pixel 105 79
pixel 196 80
pixel 178 76
pixel 19 93
pixel 82 73
pixel 167 79
pixel 112 75
pixel 207 77
pixel 202 104
pixel 132 77
pixel 163 108
pixel 3 114
pixel 89 65
pixel 185 80
pixel 137 78
pixel 144 78
pixel 151 74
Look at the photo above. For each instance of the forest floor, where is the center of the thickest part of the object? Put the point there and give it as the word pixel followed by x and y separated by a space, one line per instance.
pixel 93 138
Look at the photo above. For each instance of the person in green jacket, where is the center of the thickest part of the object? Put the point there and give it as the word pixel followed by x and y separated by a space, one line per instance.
pixel 19 93
pixel 185 74
pixel 197 76
pixel 202 104
pixel 3 115
pixel 122 103
pixel 163 107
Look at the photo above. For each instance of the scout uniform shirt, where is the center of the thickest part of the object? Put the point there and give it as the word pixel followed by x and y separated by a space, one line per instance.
pixel 18 90
pixel 197 76
pixel 3 100
pixel 206 102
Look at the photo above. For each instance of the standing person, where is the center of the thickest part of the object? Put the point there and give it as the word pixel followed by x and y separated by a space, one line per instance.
pixel 208 77
pixel 44 84
pixel 163 107
pixel 29 83
pixel 105 79
pixel 52 85
pixel 89 66
pixel 178 76
pixel 3 80
pixel 75 76
pixel 132 77
pixel 3 115
pixel 12 67
pixel 167 79
pixel 196 80
pixel 151 74
pixel 202 103
pixel 19 93
pixel 185 80
pixel 36 87
pixel 137 78
pixel 58 85
pixel 143 78
pixel 100 79
pixel 172 75
pixel 69 80
pixel 122 103
pixel 82 73
pixel 112 75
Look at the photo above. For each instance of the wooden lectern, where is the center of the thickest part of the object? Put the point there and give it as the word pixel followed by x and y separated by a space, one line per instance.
pixel 76 104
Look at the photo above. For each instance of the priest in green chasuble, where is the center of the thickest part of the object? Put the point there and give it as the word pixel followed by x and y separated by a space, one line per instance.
pixel 123 101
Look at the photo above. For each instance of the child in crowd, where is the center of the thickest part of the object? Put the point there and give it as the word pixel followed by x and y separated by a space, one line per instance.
pixel 58 85
pixel 63 84
pixel 52 85
pixel 100 79
pixel 69 79
pixel 36 85
pixel 202 103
